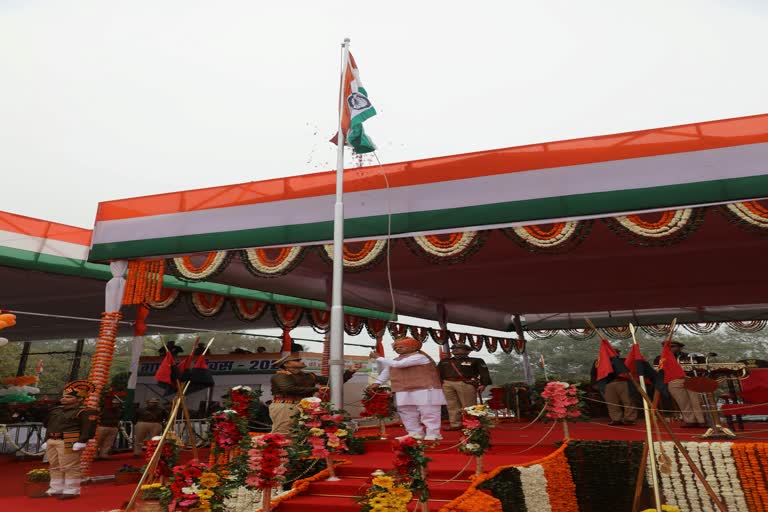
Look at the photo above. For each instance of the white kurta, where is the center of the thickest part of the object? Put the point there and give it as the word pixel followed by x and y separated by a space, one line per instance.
pixel 418 396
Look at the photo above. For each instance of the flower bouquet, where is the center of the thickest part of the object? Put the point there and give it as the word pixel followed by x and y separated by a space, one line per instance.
pixel 324 430
pixel 228 428
pixel 240 398
pixel 411 464
pixel 385 494
pixel 378 403
pixel 477 436
pixel 153 498
pixel 168 456
pixel 195 487
pixel 562 402
pixel 267 461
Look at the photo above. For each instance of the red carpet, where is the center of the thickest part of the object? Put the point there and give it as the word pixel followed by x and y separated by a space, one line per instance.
pixel 512 445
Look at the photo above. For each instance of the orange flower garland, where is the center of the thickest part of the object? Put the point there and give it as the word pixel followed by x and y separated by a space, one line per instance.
pixel 748 457
pixel 144 281
pixel 301 486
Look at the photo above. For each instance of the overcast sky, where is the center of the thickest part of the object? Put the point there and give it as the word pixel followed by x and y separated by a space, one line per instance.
pixel 101 99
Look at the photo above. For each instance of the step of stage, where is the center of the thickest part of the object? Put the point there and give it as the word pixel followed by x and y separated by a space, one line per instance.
pixel 355 486
pixel 332 503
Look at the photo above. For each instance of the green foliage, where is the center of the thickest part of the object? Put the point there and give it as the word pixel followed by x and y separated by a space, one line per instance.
pixel 119 381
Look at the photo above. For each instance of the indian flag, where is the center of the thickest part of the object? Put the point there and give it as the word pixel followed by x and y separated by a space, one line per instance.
pixel 357 108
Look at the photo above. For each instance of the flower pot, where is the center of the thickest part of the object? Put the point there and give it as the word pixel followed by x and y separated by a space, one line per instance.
pixel 127 477
pixel 149 506
pixel 35 488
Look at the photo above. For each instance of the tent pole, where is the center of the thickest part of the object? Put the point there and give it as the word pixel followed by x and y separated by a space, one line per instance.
pixel 336 360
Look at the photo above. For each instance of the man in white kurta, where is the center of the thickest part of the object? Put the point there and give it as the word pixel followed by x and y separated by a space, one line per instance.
pixel 418 390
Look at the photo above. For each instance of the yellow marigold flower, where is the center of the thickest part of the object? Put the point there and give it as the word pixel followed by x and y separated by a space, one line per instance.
pixel 333 445
pixel 205 494
pixel 384 481
pixel 317 432
pixel 210 480
pixel 341 432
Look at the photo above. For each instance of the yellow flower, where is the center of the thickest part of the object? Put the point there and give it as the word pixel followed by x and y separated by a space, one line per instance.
pixel 332 444
pixel 317 432
pixel 341 432
pixel 376 501
pixel 384 481
pixel 210 480
pixel 205 494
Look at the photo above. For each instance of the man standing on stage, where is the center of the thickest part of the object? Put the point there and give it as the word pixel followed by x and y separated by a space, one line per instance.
pixel 464 378
pixel 289 385
pixel 688 401
pixel 69 426
pixel 418 390
pixel 149 423
pixel 107 431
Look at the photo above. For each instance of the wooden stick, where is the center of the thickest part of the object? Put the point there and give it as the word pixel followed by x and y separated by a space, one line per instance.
pixel 640 478
pixel 187 419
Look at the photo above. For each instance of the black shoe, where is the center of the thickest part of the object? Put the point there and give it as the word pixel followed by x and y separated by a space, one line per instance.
pixel 628 422
pixel 691 425
pixel 68 496
pixel 45 495
pixel 614 423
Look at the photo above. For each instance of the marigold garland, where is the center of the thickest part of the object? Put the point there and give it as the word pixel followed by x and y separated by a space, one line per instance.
pixel 419 333
pixel 214 263
pixel 449 248
pixel 750 459
pixel 262 263
pixel 143 281
pixel 168 298
pixel 206 305
pixel 353 325
pixel 319 320
pixel 749 215
pixel 554 238
pixel 249 310
pixel 369 254
pixel 287 316
pixel 397 330
pixel 671 227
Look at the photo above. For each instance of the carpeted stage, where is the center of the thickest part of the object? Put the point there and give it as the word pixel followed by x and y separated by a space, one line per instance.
pixel 514 443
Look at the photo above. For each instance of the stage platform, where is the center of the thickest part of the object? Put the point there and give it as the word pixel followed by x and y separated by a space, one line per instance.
pixel 514 443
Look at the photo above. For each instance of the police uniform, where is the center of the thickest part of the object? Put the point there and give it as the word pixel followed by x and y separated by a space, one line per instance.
pixel 460 377
pixel 68 429
pixel 149 423
pixel 288 389
pixel 107 430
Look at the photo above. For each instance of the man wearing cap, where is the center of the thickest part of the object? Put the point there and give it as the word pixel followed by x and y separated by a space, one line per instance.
pixel 418 390
pixel 107 431
pixel 689 402
pixel 463 379
pixel 289 385
pixel 149 423
pixel 69 426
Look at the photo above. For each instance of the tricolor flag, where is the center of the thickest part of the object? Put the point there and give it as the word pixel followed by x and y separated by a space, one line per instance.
pixel 357 108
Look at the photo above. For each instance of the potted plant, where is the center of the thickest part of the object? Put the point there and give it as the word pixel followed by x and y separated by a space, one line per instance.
pixel 151 498
pixel 37 483
pixel 127 474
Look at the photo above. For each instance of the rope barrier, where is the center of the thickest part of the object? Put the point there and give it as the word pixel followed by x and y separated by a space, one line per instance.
pixel 7 435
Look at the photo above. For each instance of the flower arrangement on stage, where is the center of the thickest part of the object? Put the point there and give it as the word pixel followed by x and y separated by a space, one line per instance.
pixel 168 457
pixel 664 508
pixel 411 464
pixel 194 486
pixel 385 494
pixel 562 400
pixel 378 403
pixel 240 398
pixel 154 491
pixel 324 430
pixel 228 427
pixel 267 461
pixel 477 436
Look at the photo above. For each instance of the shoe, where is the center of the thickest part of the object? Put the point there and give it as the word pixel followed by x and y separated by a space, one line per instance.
pixel 46 495
pixel 417 437
pixel 691 425
pixel 451 429
pixel 614 423
pixel 68 496
pixel 628 422
pixel 433 437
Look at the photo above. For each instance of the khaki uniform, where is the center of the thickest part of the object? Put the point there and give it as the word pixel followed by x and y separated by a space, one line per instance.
pixel 149 423
pixel 287 391
pixel 460 388
pixel 621 408
pixel 64 427
pixel 107 431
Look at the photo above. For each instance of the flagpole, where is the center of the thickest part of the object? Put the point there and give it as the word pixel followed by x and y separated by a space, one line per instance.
pixel 648 435
pixel 336 358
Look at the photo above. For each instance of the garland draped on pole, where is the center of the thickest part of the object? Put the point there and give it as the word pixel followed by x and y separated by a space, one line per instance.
pixel 144 281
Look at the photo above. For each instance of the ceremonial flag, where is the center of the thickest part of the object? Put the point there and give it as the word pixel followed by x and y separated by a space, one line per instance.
pixel 668 365
pixel 357 108
pixel 187 362
pixel 609 365
pixel 167 373
pixel 39 369
pixel 199 376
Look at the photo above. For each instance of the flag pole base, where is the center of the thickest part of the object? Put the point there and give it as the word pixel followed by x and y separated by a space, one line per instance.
pixel 718 432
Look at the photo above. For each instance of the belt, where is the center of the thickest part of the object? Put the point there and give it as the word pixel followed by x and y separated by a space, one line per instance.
pixel 63 435
pixel 459 380
pixel 286 399
pixel 55 435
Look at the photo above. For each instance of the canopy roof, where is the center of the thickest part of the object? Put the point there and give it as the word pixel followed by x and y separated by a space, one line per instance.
pixel 646 225
pixel 43 271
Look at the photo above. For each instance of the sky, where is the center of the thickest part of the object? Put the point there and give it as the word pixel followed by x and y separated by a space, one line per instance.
pixel 103 100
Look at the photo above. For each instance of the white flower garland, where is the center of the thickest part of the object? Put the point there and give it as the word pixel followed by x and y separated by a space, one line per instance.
pixel 745 214
pixel 698 454
pixel 731 488
pixel 534 486
pixel 242 308
pixel 374 253
pixel 244 499
pixel 467 238
pixel 262 268
pixel 563 236
pixel 204 309
pixel 201 273
pixel 678 222
pixel 167 302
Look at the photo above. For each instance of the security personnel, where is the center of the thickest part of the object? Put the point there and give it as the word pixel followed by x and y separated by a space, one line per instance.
pixel 108 426
pixel 149 423
pixel 69 426
pixel 289 385
pixel 464 378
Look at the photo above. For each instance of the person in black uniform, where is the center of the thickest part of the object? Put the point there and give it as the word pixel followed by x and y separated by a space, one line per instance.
pixel 69 426
pixel 149 423
pixel 463 379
